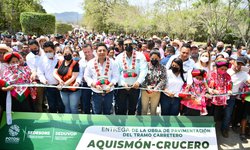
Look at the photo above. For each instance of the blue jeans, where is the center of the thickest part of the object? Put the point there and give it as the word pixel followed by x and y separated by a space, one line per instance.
pixel 71 100
pixel 102 104
pixel 54 100
pixel 86 99
pixel 169 106
pixel 227 113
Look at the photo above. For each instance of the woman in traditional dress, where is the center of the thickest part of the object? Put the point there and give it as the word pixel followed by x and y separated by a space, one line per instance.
pixel 22 97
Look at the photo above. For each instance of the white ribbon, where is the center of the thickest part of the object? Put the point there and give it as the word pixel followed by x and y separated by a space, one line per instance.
pixel 117 88
pixel 8 99
pixel 8 108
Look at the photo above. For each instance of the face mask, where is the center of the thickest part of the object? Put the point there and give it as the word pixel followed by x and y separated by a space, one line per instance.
pixel 49 55
pixel 243 52
pixel 175 69
pixel 13 66
pixel 229 52
pixel 68 57
pixel 204 59
pixel 76 58
pixel 116 49
pixel 129 48
pixel 154 62
pixel 35 52
pixel 213 57
pixel 221 72
pixel 196 81
pixel 219 49
pixel 195 56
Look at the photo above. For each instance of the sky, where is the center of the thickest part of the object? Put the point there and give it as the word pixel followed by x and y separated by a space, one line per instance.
pixel 59 6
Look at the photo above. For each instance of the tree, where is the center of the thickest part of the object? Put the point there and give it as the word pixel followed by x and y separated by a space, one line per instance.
pixel 216 15
pixel 241 23
pixel 63 28
pixel 97 12
pixel 11 10
pixel 37 23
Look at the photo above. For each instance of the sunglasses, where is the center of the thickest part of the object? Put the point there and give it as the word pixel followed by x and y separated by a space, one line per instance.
pixel 129 44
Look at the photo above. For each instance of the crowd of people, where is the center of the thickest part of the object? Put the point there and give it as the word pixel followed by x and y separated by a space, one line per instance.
pixel 133 75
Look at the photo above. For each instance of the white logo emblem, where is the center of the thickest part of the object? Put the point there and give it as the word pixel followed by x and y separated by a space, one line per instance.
pixel 14 130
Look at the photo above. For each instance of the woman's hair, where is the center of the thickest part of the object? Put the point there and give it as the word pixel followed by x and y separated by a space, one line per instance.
pixel 199 72
pixel 218 55
pixel 67 47
pixel 111 48
pixel 102 44
pixel 76 53
pixel 156 52
pixel 180 63
pixel 209 60
pixel 31 42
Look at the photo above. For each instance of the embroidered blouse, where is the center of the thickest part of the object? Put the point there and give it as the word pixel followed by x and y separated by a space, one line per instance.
pixel 19 75
pixel 223 84
pixel 156 76
pixel 199 103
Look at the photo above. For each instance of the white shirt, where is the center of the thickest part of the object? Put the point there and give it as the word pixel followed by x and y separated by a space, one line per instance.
pixel 238 78
pixel 90 74
pixel 82 55
pixel 33 61
pixel 46 68
pixel 141 68
pixel 187 65
pixel 82 66
pixel 161 52
pixel 175 83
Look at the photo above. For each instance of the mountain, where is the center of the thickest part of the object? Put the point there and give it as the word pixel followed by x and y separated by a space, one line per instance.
pixel 69 17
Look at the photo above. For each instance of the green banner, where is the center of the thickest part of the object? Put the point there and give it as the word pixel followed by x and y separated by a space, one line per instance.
pixel 88 132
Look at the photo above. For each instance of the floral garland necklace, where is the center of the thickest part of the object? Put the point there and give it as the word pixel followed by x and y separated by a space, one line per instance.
pixel 125 65
pixel 102 81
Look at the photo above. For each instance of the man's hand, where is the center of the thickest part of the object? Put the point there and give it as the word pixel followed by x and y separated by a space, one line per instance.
pixel 126 87
pixel 108 88
pixel 170 94
pixel 98 87
pixel 33 76
pixel 136 85
pixel 44 82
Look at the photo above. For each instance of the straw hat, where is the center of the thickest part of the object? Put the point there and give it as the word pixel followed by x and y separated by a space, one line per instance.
pixel 5 47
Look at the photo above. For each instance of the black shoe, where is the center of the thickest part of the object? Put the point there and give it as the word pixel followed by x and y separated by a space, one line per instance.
pixel 225 133
pixel 243 138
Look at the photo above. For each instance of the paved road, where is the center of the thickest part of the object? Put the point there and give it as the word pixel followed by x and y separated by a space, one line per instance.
pixel 233 142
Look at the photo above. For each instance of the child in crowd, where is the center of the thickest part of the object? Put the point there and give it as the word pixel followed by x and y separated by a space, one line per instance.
pixel 194 100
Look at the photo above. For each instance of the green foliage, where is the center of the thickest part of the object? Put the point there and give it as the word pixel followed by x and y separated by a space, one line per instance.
pixel 10 11
pixel 37 23
pixel 198 20
pixel 63 28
